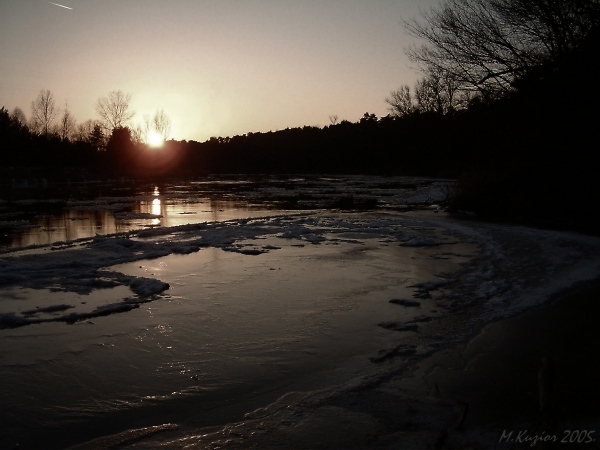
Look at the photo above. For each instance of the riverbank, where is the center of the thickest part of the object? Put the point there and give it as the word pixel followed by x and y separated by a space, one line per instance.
pixel 483 394
pixel 497 375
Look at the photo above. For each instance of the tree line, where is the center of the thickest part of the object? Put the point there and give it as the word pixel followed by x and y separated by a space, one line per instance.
pixel 114 110
pixel 507 103
pixel 52 144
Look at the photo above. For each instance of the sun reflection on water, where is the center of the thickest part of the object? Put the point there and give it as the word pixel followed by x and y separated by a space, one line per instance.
pixel 156 206
pixel 123 211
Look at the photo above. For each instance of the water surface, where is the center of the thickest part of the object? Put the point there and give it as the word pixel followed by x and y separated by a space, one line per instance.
pixel 217 297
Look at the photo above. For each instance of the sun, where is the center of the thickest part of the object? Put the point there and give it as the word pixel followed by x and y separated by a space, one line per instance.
pixel 155 139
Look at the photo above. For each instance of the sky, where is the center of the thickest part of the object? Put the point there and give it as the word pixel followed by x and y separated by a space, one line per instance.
pixel 216 67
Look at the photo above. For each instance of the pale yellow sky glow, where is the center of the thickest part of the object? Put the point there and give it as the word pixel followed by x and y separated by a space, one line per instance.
pixel 216 67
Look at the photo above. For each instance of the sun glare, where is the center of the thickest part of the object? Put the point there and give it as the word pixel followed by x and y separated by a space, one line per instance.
pixel 155 140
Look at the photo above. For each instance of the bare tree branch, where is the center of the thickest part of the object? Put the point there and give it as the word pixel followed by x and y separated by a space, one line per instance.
pixel 162 123
pixel 401 102
pixel 485 45
pixel 43 112
pixel 114 110
pixel 66 127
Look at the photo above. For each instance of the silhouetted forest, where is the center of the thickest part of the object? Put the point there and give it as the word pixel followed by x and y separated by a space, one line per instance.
pixel 523 150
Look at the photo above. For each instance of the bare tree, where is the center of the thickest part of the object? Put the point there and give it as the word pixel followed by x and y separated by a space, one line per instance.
pixel 401 102
pixel 43 112
pixel 427 96
pixel 558 27
pixel 334 119
pixel 486 44
pixel 143 130
pixel 67 125
pixel 162 123
pixel 437 92
pixel 114 110
pixel 83 130
pixel 139 134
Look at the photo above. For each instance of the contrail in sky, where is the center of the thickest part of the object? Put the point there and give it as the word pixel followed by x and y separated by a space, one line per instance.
pixel 62 6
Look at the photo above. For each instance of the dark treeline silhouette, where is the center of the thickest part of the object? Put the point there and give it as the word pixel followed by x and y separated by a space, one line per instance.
pixel 372 145
pixel 518 130
pixel 525 70
pixel 25 153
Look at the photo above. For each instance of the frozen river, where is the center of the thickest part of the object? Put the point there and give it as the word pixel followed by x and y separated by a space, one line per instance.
pixel 233 295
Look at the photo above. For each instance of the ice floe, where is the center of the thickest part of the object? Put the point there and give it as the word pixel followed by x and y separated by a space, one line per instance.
pixel 516 267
